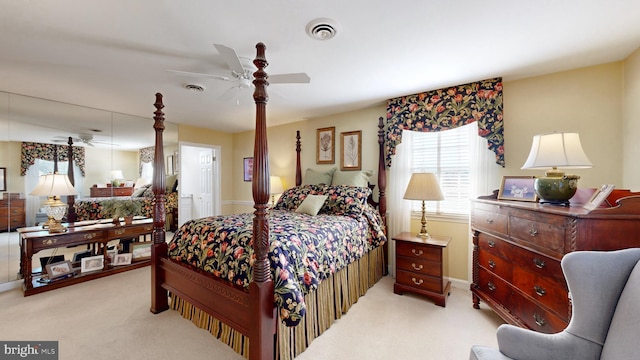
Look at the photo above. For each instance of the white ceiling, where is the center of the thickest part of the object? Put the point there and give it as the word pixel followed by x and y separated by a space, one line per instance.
pixel 113 54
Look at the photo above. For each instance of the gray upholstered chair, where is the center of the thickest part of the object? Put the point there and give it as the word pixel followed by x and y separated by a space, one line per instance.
pixel 605 292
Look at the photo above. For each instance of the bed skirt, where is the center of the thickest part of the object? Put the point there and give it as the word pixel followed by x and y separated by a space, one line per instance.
pixel 326 304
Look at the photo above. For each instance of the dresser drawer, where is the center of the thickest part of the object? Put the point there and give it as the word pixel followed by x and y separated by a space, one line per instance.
pixel 489 218
pixel 495 246
pixel 418 251
pixel 545 233
pixel 419 265
pixel 537 263
pixel 495 264
pixel 493 286
pixel 535 316
pixel 551 294
pixel 419 281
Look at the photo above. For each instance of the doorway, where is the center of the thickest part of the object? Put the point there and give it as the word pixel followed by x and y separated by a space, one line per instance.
pixel 198 182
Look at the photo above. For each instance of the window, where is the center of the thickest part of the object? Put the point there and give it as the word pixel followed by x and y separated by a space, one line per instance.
pixel 448 154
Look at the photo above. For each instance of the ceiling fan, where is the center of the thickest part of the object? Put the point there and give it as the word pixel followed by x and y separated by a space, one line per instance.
pixel 86 139
pixel 242 70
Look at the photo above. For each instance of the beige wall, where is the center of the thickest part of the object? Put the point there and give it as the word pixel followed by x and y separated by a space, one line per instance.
pixel 10 159
pixel 631 122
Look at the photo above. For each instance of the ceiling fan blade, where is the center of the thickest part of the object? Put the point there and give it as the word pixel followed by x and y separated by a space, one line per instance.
pixel 231 58
pixel 199 75
pixel 295 78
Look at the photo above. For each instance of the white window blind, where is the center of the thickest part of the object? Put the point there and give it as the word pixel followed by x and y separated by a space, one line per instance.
pixel 448 154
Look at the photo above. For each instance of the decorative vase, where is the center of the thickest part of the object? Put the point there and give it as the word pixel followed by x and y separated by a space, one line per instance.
pixel 128 220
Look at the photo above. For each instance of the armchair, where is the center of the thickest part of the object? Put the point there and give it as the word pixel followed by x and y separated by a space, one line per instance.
pixel 605 290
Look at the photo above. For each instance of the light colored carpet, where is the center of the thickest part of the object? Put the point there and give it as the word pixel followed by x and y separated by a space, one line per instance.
pixel 109 318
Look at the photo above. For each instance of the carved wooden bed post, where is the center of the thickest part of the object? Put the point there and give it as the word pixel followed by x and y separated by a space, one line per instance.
pixel 261 339
pixel 71 199
pixel 382 188
pixel 298 168
pixel 159 296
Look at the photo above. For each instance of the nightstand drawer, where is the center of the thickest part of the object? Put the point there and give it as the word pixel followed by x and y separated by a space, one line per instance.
pixel 420 281
pixel 418 251
pixel 420 266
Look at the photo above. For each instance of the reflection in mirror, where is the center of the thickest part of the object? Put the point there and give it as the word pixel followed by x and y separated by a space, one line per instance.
pixel 109 141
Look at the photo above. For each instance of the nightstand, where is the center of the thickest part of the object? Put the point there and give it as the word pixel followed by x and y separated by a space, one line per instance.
pixel 419 266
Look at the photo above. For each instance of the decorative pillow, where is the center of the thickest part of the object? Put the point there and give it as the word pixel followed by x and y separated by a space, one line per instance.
pixel 313 177
pixel 148 191
pixel 170 182
pixel 352 178
pixel 345 200
pixel 140 191
pixel 311 204
pixel 291 198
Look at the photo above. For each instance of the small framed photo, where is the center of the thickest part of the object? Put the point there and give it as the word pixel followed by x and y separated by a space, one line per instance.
pixel 351 145
pixel 92 263
pixel 518 188
pixel 599 196
pixel 122 259
pixel 59 269
pixel 248 168
pixel 140 250
pixel 3 179
pixel 111 254
pixel 326 146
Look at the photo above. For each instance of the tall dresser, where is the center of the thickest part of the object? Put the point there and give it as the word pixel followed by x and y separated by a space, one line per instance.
pixel 12 215
pixel 517 248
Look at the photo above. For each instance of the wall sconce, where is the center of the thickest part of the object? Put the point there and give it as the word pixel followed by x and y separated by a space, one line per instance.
pixel 53 186
pixel 423 186
pixel 556 150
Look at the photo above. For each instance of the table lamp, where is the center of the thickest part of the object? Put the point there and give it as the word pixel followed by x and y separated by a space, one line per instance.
pixel 276 187
pixel 53 186
pixel 116 177
pixel 425 187
pixel 556 150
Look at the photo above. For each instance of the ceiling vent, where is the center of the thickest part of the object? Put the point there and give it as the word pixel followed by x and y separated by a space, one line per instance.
pixel 322 29
pixel 194 87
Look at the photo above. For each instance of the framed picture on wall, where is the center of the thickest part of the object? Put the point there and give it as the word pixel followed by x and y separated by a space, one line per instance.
pixel 3 179
pixel 351 146
pixel 248 168
pixel 518 188
pixel 326 145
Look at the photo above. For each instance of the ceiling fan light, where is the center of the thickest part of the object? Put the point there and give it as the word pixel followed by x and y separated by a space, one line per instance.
pixel 322 29
pixel 244 83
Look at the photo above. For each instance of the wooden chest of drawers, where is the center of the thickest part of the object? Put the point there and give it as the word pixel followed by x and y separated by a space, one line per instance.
pixel 518 247
pixel 12 215
pixel 110 191
pixel 419 266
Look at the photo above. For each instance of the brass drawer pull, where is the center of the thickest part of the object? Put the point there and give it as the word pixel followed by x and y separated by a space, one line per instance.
pixel 540 291
pixel 89 236
pixel 491 286
pixel 492 243
pixel 416 267
pixel 489 221
pixel 539 320
pixel 533 231
pixel 416 281
pixel 492 264
pixel 539 263
pixel 119 231
pixel 417 253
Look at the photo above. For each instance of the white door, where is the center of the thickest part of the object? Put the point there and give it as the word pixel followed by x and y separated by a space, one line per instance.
pixel 205 196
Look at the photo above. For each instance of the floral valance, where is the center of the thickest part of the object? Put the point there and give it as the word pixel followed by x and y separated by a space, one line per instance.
pixel 146 156
pixel 32 151
pixel 449 108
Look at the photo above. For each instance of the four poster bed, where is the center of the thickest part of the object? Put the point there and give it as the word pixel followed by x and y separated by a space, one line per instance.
pixel 267 283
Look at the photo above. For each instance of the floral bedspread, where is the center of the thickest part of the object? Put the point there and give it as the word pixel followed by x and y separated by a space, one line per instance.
pixel 304 250
pixel 91 208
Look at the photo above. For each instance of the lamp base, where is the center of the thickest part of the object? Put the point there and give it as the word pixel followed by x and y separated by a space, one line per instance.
pixel 556 190
pixel 56 227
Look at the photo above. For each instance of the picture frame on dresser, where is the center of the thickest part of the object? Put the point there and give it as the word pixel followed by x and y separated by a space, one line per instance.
pixel 518 188
pixel 92 263
pixel 59 269
pixel 3 179
pixel 599 196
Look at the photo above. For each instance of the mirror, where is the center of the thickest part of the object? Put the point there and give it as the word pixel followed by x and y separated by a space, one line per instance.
pixel 111 141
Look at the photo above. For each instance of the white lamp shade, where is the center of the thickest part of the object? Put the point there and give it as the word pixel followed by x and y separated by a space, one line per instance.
pixel 54 185
pixel 423 186
pixel 116 175
pixel 276 186
pixel 557 150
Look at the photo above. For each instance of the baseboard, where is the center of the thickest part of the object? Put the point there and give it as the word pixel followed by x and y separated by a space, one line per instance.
pixel 459 284
pixel 10 285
